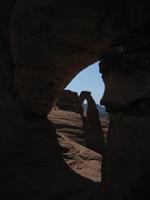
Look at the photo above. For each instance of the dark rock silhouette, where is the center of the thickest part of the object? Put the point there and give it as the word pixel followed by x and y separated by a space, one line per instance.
pixel 94 136
pixel 126 75
pixel 43 45
pixel 34 166
pixel 69 101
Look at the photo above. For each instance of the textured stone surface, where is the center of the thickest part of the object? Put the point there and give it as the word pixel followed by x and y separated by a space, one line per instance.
pixel 74 131
pixel 94 135
pixel 62 40
pixel 126 167
pixel 44 44
pixel 69 124
pixel 72 137
pixel 68 116
pixel 82 160
pixel 69 101
pixel 32 164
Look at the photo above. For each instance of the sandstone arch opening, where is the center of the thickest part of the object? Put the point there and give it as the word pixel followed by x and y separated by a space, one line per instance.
pixel 80 119
pixel 84 105
pixel 44 44
pixel 88 79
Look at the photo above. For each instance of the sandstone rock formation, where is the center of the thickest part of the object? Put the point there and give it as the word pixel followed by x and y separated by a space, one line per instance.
pixel 44 44
pixel 77 134
pixel 69 101
pixel 81 159
pixel 34 166
pixel 85 130
pixel 94 136
pixel 128 103
pixel 70 124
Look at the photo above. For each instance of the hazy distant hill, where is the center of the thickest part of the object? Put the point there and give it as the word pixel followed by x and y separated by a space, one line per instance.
pixel 100 108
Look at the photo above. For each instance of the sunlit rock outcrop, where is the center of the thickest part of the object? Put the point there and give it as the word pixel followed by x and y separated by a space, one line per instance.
pixel 77 134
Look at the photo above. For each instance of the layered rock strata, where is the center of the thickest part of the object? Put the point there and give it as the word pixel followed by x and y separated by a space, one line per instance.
pixel 78 134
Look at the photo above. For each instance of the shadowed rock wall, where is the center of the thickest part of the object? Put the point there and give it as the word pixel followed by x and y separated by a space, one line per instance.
pixel 126 75
pixel 44 44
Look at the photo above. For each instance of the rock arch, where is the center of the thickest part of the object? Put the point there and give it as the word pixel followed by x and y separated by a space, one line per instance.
pixel 94 136
pixel 44 44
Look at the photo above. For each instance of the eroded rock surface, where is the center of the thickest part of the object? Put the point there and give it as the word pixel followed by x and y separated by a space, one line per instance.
pixel 34 167
pixel 71 136
pixel 68 115
pixel 127 76
pixel 81 159
pixel 69 101
pixel 43 45
pixel 73 132
pixel 94 135
pixel 70 124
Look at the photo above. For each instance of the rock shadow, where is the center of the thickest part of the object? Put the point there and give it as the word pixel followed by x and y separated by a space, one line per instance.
pixel 32 166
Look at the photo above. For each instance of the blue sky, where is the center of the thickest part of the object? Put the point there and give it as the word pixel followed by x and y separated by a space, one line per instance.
pixel 88 79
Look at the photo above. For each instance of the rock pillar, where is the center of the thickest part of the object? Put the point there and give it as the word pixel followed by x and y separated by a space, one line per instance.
pixel 94 136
